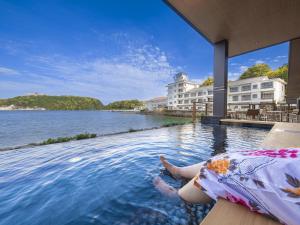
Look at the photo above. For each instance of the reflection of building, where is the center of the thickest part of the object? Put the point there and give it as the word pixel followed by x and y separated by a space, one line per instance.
pixel 158 103
pixel 241 93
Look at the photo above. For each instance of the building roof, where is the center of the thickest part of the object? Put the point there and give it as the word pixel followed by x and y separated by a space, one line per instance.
pixel 157 99
pixel 247 25
pixel 255 79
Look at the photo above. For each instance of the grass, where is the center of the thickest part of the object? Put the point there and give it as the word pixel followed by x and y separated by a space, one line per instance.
pixel 174 121
pixel 66 139
pixel 168 122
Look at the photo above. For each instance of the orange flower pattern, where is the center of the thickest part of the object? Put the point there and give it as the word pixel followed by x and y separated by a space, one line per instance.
pixel 220 166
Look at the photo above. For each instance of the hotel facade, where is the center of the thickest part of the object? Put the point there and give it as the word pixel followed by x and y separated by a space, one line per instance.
pixel 241 93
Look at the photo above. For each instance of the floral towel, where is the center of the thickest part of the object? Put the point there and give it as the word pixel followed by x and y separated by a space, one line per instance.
pixel 265 181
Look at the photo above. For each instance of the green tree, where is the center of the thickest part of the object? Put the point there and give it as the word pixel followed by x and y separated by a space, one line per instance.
pixel 256 70
pixel 280 72
pixel 125 104
pixel 53 102
pixel 209 81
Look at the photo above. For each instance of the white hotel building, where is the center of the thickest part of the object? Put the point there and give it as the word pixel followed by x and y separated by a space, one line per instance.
pixel 182 93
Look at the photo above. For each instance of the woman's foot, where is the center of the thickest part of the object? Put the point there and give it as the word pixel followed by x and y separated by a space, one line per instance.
pixel 174 170
pixel 164 188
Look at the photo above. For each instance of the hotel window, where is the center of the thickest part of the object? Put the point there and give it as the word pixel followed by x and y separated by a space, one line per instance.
pixel 266 85
pixel 235 98
pixel 180 90
pixel 209 92
pixel 254 86
pixel 200 100
pixel 267 95
pixel 186 95
pixel 180 102
pixel 180 85
pixel 209 99
pixel 180 107
pixel 246 97
pixel 193 94
pixel 186 107
pixel 200 93
pixel 246 87
pixel 234 89
pixel 254 96
pixel 179 96
pixel 186 101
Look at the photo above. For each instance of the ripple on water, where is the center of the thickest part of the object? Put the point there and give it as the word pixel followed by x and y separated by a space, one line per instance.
pixel 108 180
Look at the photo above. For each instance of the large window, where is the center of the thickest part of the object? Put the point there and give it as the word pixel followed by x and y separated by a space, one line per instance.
pixel 235 98
pixel 186 95
pixel 266 85
pixel 246 87
pixel 200 93
pixel 254 86
pixel 193 94
pixel 246 97
pixel 234 89
pixel 179 101
pixel 186 101
pixel 267 95
pixel 180 85
pixel 254 96
pixel 180 90
pixel 179 96
pixel 209 92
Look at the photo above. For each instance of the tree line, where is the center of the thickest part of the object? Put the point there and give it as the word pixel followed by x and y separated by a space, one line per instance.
pixel 257 70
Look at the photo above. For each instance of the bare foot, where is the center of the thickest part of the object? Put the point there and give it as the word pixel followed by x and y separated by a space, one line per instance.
pixel 164 188
pixel 174 170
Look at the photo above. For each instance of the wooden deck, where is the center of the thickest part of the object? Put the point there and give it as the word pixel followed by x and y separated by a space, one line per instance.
pixel 248 123
pixel 282 135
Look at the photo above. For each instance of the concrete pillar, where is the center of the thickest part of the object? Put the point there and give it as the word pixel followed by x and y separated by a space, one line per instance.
pixel 220 79
pixel 293 86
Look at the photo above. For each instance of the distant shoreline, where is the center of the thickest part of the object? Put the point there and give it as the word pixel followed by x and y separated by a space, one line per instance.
pixel 43 109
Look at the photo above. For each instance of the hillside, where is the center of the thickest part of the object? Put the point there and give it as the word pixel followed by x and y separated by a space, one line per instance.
pixel 53 102
pixel 126 104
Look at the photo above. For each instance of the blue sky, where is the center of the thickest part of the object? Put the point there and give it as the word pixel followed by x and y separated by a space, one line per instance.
pixel 108 49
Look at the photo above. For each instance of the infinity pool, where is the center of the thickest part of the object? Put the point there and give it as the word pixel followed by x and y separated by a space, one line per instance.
pixel 108 180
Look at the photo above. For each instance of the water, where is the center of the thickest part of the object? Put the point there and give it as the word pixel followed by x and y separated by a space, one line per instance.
pixel 24 127
pixel 108 180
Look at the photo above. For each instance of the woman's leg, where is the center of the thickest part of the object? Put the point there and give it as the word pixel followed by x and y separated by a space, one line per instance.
pixel 186 172
pixel 188 192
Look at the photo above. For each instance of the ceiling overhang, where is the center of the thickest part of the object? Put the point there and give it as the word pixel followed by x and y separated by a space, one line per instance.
pixel 247 25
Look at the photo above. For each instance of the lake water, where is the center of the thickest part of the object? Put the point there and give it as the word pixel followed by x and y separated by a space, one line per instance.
pixel 108 180
pixel 24 127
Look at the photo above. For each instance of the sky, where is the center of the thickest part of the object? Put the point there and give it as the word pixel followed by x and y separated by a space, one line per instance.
pixel 107 49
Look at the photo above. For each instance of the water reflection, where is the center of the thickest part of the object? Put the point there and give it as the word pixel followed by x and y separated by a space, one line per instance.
pixel 219 140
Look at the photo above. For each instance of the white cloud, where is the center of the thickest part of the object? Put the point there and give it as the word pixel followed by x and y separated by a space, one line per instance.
pixel 259 61
pixel 233 75
pixel 281 56
pixel 243 68
pixel 140 72
pixel 8 71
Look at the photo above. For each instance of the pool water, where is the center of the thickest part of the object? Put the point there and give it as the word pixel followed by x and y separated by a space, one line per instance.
pixel 108 180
